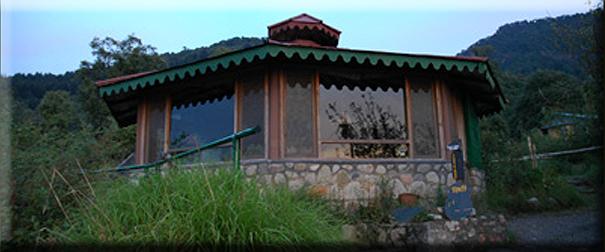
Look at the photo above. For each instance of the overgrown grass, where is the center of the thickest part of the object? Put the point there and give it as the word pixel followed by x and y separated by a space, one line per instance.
pixel 200 207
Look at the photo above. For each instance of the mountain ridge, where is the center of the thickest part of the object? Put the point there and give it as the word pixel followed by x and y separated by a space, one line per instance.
pixel 524 47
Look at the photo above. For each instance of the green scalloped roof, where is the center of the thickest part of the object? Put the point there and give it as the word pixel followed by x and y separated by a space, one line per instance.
pixel 262 52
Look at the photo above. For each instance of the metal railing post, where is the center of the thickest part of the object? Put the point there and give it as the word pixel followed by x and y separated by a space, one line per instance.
pixel 235 148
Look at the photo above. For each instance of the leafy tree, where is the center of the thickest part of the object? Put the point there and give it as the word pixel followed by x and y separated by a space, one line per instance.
pixel 120 57
pixel 113 58
pixel 544 93
pixel 51 145
pixel 58 111
pixel 28 89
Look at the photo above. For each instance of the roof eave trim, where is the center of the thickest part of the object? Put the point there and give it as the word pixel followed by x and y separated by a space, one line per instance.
pixel 272 50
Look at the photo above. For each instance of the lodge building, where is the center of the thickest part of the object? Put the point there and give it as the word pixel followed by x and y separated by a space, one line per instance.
pixel 332 118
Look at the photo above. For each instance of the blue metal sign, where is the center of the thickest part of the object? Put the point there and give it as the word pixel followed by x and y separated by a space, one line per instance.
pixel 458 204
pixel 406 214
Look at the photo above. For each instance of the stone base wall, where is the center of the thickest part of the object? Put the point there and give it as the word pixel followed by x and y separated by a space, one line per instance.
pixel 359 181
pixel 482 230
pixel 353 181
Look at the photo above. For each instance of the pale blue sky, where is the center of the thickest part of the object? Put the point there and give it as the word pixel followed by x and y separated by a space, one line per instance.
pixel 44 38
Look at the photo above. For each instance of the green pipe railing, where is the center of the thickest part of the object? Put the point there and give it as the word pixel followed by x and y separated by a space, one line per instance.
pixel 233 138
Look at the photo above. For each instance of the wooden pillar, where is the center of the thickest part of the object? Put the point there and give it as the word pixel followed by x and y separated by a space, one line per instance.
pixel 459 121
pixel 274 131
pixel 315 86
pixel 142 137
pixel 408 113
pixel 447 116
pixel 437 87
pixel 236 106
pixel 167 123
pixel 141 132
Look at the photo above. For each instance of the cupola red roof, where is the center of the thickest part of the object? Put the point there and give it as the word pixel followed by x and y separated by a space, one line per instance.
pixel 304 30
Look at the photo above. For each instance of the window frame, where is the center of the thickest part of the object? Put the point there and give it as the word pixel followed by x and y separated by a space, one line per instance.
pixel 142 139
pixel 276 78
pixel 436 86
pixel 283 82
pixel 172 151
pixel 406 141
pixel 266 112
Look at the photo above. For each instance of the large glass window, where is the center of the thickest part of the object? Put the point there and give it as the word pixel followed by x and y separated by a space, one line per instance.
pixel 362 118
pixel 298 118
pixel 195 125
pixel 424 118
pixel 155 129
pixel 252 114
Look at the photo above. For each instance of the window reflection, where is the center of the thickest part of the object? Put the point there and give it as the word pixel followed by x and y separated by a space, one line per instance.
pixel 198 124
pixel 362 122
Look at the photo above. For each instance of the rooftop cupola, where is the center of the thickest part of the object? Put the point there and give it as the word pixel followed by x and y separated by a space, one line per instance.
pixel 304 30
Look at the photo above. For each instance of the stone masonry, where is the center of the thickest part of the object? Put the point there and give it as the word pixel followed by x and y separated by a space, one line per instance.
pixel 355 181
pixel 480 230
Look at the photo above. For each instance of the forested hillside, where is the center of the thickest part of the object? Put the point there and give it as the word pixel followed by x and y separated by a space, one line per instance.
pixel 28 89
pixel 559 44
pixel 190 55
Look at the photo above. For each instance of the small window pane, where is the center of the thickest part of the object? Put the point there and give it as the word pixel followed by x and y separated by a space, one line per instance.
pixel 195 125
pixel 199 124
pixel 363 150
pixel 298 118
pixel 155 129
pixel 253 114
pixel 217 154
pixel 371 150
pixel 424 119
pixel 336 151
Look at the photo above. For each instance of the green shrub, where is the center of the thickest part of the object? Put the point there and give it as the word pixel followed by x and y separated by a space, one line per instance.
pixel 441 197
pixel 378 210
pixel 422 217
pixel 193 207
pixel 565 195
pixel 511 184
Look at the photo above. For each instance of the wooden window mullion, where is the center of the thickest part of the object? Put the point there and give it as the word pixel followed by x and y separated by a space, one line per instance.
pixel 167 123
pixel 315 94
pixel 437 102
pixel 140 149
pixel 410 122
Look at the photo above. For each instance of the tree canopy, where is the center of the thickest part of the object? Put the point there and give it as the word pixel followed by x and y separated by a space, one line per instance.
pixel 68 132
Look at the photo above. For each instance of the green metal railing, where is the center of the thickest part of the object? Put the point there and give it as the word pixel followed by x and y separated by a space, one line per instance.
pixel 233 138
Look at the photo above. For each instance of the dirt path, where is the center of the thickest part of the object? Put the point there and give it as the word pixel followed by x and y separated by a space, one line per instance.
pixel 569 228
